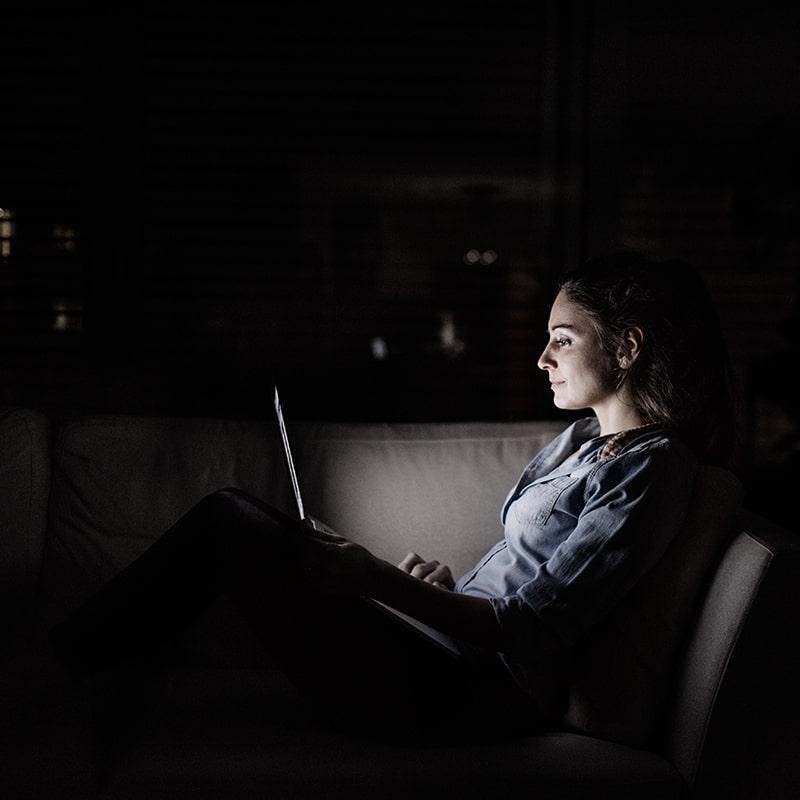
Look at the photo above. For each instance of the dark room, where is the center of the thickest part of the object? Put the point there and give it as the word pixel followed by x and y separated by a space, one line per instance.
pixel 404 216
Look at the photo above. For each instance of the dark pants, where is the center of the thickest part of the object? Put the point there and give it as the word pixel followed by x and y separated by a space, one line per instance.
pixel 355 663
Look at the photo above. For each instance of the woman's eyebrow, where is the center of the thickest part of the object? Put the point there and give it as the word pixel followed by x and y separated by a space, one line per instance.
pixel 564 325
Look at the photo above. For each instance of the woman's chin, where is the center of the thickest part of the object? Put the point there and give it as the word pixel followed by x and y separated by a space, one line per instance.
pixel 565 404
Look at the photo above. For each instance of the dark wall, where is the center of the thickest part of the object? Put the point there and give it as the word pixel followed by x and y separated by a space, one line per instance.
pixel 259 191
pixel 369 204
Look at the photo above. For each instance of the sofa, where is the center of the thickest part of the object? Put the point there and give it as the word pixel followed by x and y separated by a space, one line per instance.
pixel 688 690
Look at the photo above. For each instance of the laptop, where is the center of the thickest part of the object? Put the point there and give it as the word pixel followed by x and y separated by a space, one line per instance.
pixel 439 638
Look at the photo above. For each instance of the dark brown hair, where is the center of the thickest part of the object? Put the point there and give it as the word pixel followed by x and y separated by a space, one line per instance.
pixel 682 377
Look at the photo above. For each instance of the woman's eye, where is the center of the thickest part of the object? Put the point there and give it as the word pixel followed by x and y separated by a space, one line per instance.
pixel 562 342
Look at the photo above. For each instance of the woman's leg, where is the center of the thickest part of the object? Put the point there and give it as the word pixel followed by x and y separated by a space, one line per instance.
pixel 355 662
pixel 177 577
pixel 371 675
pixel 367 670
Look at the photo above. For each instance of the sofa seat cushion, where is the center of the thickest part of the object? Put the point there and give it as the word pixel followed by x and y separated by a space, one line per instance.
pixel 240 733
pixel 47 746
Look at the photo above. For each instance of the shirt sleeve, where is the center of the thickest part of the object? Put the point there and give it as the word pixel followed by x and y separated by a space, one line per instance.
pixel 634 505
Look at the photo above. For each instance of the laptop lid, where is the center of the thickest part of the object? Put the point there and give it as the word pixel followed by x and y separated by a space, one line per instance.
pixel 287 454
pixel 447 642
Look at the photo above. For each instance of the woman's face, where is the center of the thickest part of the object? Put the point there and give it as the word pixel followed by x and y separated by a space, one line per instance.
pixel 578 367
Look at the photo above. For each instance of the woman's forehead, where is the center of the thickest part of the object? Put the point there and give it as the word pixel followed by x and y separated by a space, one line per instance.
pixel 566 313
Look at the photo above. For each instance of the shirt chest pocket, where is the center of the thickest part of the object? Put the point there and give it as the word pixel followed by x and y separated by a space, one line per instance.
pixel 542 497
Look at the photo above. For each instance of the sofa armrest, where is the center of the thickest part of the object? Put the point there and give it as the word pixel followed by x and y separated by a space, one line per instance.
pixel 24 492
pixel 736 719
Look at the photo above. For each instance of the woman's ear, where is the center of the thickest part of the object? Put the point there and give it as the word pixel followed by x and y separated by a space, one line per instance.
pixel 632 346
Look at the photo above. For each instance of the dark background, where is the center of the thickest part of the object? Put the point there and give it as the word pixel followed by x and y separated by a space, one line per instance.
pixel 368 204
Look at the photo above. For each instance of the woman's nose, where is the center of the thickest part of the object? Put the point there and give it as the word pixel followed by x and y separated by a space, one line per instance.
pixel 545 361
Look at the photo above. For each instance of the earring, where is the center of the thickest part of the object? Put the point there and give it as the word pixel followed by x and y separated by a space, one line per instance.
pixel 623 363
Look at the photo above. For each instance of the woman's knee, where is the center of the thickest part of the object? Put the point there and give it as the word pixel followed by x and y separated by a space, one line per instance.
pixel 216 516
pixel 224 503
pixel 252 540
pixel 234 511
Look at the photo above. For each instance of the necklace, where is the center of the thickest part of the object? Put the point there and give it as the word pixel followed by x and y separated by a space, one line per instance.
pixel 618 440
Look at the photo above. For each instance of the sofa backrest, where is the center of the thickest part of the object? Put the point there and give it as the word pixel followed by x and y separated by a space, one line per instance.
pixel 120 481
pixel 435 488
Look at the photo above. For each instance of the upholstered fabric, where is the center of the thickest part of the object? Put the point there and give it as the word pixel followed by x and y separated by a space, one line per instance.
pixel 734 726
pixel 436 489
pixel 623 674
pixel 730 727
pixel 119 482
pixel 213 736
pixel 210 734
pixel 24 488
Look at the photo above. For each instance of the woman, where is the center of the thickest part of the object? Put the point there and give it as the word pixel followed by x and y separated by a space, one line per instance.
pixel 635 342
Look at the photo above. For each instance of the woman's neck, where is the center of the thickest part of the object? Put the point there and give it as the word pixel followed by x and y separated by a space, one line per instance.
pixel 618 418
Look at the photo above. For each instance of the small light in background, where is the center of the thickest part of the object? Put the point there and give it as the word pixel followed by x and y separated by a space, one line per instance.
pixel 472 257
pixel 64 237
pixel 450 342
pixel 67 316
pixel 7 230
pixel 485 257
pixel 488 257
pixel 379 348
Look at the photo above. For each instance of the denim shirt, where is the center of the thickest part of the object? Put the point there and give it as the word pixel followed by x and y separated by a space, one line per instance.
pixel 579 533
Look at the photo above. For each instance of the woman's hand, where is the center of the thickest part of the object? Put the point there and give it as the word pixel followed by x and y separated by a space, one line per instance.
pixel 428 571
pixel 336 565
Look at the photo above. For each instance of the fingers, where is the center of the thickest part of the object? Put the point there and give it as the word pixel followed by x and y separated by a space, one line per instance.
pixel 425 570
pixel 410 561
pixel 441 576
pixel 428 571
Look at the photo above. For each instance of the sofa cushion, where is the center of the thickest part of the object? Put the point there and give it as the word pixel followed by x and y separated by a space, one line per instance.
pixel 47 750
pixel 120 481
pixel 434 488
pixel 217 734
pixel 624 672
